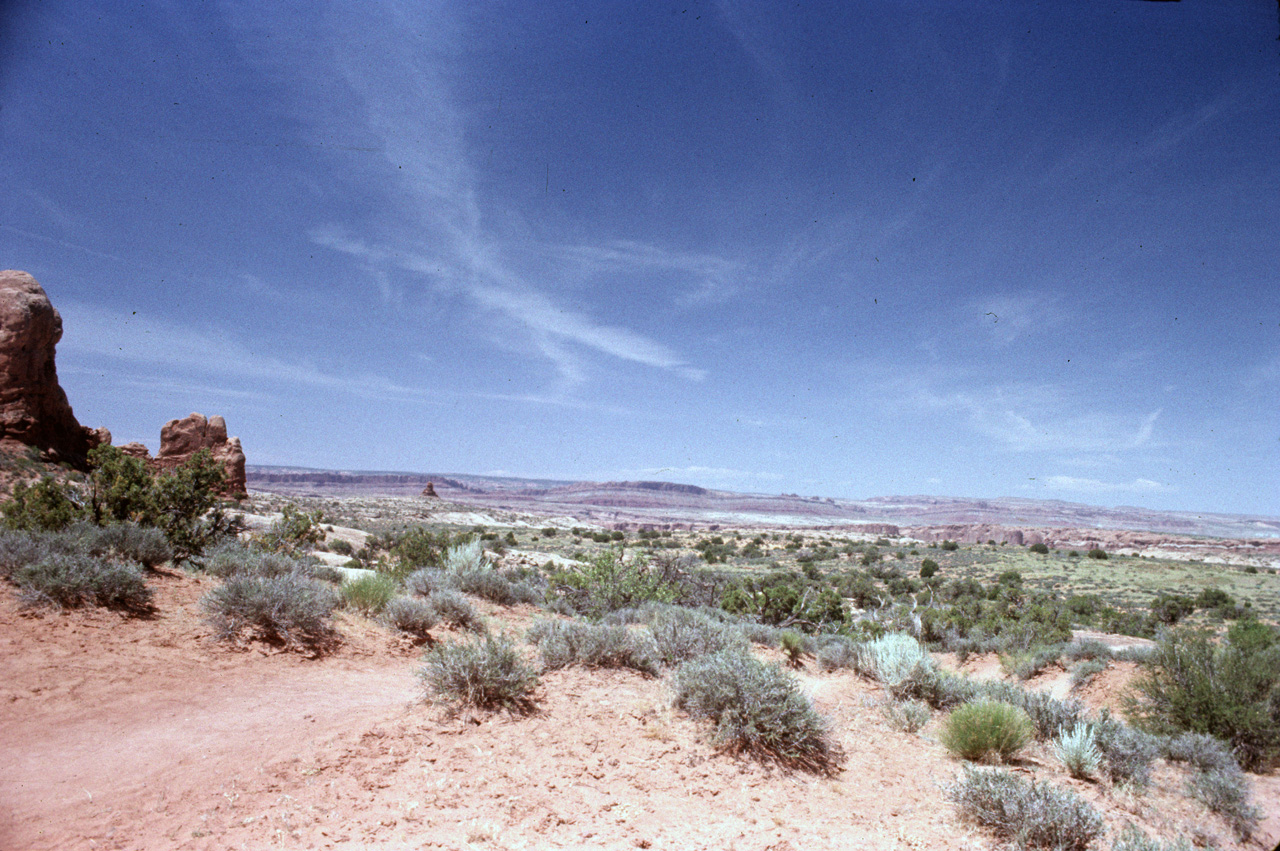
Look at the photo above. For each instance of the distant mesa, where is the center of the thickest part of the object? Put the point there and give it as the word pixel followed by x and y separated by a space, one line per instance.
pixel 34 410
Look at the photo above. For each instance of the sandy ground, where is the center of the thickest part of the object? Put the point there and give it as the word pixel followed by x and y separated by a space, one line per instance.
pixel 143 734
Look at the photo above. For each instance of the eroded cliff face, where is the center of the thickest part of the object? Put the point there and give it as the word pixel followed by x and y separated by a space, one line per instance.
pixel 34 410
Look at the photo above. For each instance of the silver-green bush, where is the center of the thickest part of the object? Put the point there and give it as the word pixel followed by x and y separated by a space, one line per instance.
pixel 73 580
pixel 412 615
pixel 1078 752
pixel 290 609
pixel 757 709
pixel 564 643
pixel 456 610
pixel 1226 792
pixel 1034 815
pixel 485 673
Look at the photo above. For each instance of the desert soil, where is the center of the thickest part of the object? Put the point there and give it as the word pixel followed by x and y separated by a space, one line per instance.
pixel 120 733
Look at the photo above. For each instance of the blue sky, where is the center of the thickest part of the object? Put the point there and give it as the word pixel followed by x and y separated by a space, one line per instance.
pixel 967 249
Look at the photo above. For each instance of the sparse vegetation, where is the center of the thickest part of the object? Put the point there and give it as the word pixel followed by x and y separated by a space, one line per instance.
pixel 72 580
pixel 564 643
pixel 368 595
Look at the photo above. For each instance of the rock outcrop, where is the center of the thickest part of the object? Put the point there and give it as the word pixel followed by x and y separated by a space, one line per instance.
pixel 180 439
pixel 34 410
pixel 430 490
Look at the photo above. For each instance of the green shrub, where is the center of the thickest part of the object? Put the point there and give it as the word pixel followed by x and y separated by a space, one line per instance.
pixel 756 708
pixel 564 643
pixel 1040 549
pixel 232 558
pixel 46 506
pixel 411 615
pixel 295 531
pixel 484 673
pixel 19 548
pixel 761 634
pixel 119 487
pixel 1078 752
pixel 608 582
pixel 928 568
pixel 74 579
pixel 455 610
pixel 907 715
pixel 950 546
pixel 793 645
pixel 1098 553
pixel 290 609
pixel 1226 792
pixel 1049 716
pixel 986 729
pixel 342 547
pixel 1230 690
pixel 368 595
pixel 1033 815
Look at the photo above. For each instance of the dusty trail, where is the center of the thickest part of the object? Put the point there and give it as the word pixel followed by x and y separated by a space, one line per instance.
pixel 94 723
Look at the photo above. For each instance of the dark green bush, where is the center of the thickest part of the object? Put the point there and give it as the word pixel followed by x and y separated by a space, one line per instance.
pixel 290 610
pixel 74 579
pixel 295 531
pixel 1033 815
pixel 986 729
pixel 1040 549
pixel 1098 553
pixel 758 709
pixel 608 582
pixel 185 505
pixel 1229 689
pixel 928 568
pixel 485 673
pixel 46 506
pixel 119 487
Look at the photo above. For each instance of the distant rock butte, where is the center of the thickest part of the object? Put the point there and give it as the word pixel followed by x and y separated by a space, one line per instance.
pixel 180 439
pixel 34 410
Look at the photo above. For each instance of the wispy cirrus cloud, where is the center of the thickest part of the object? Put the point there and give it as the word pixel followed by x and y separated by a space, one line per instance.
pixel 1074 484
pixel 1024 420
pixel 172 347
pixel 435 225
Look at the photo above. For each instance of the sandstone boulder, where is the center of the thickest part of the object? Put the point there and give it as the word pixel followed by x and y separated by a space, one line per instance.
pixel 33 408
pixel 180 439
pixel 429 490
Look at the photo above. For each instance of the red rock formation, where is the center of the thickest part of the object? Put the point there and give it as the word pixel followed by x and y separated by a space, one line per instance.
pixel 33 408
pixel 429 490
pixel 180 439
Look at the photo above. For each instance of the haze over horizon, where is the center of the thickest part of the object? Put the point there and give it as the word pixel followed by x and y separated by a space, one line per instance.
pixel 849 250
